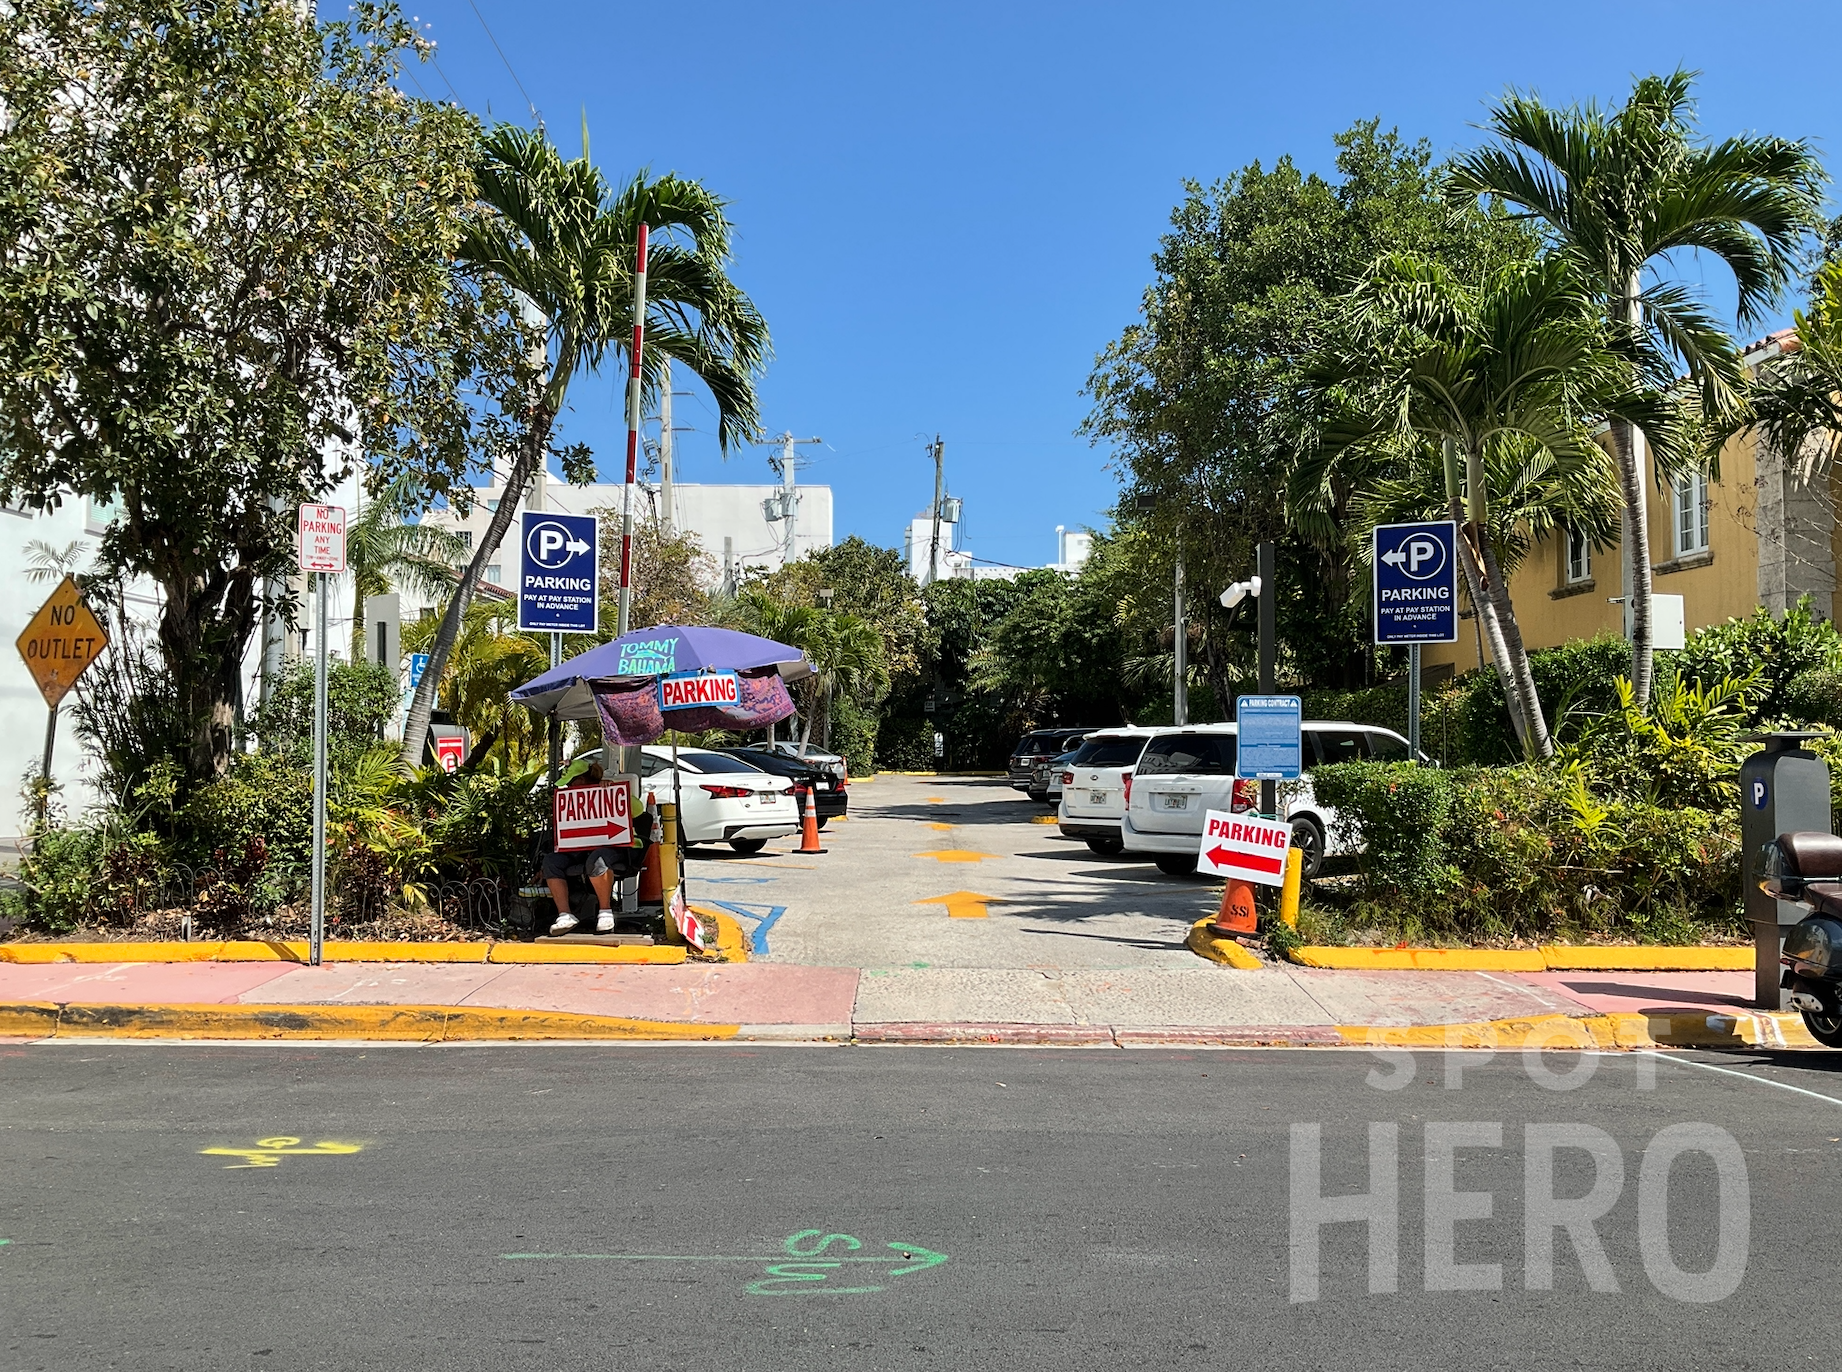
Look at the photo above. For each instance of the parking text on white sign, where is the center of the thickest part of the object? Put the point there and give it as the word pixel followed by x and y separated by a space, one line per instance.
pixel 594 816
pixel 1244 846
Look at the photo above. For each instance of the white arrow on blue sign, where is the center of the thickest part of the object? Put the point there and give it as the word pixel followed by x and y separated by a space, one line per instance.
pixel 557 572
pixel 1416 582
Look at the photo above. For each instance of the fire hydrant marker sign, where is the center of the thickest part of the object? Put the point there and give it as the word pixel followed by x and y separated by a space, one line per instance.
pixel 322 539
pixel 1244 846
pixel 707 688
pixel 61 641
pixel 594 816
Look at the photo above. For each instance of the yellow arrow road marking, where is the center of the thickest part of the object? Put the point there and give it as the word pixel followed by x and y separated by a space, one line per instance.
pixel 943 828
pixel 962 904
pixel 956 855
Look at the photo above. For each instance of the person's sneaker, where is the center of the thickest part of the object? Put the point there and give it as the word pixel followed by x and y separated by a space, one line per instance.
pixel 604 922
pixel 564 923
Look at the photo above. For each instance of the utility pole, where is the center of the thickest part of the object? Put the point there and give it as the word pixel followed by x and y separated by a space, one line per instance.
pixel 1180 668
pixel 665 446
pixel 940 495
pixel 788 499
pixel 1269 651
pixel 634 392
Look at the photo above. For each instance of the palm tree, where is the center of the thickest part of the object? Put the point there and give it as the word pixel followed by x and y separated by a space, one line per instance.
pixel 1504 379
pixel 382 552
pixel 491 657
pixel 1617 192
pixel 1797 395
pixel 846 651
pixel 554 233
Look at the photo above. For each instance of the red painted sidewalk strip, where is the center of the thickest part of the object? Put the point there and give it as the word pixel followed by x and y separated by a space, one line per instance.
pixel 135 983
pixel 1716 993
pixel 728 993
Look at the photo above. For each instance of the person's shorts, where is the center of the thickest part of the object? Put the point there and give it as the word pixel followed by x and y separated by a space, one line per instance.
pixel 592 863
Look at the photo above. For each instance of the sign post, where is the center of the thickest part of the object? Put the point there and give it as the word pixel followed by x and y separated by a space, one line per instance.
pixel 321 552
pixel 58 645
pixel 1416 597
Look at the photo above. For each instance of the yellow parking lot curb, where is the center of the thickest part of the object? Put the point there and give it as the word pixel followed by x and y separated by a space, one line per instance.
pixel 415 1023
pixel 1226 951
pixel 1547 958
pixel 1675 1029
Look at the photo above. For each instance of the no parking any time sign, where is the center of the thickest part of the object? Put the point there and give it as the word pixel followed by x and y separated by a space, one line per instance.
pixel 1244 846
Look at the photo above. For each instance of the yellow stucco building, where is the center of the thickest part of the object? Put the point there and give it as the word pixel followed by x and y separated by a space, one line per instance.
pixel 1753 534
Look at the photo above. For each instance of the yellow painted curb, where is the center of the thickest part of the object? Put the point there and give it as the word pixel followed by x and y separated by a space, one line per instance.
pixel 731 942
pixel 654 954
pixel 1587 958
pixel 1423 959
pixel 416 1023
pixel 1612 1031
pixel 1223 950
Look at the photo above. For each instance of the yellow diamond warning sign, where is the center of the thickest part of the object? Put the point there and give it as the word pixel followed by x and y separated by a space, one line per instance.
pixel 61 642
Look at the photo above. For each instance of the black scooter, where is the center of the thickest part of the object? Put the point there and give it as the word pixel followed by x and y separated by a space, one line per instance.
pixel 1806 868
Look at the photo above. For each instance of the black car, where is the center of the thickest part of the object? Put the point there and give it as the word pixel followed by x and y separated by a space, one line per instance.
pixel 829 794
pixel 1038 746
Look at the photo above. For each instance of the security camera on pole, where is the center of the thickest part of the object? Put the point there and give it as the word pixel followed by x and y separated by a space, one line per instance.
pixel 321 552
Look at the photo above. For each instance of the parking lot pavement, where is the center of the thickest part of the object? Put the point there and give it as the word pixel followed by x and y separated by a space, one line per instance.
pixel 951 872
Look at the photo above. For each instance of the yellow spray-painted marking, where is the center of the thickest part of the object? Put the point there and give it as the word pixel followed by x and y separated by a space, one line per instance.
pixel 1044 819
pixel 935 824
pixel 270 1152
pixel 956 855
pixel 961 904
pixel 935 800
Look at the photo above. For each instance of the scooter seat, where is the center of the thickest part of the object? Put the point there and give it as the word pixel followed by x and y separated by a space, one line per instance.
pixel 1824 898
pixel 1812 854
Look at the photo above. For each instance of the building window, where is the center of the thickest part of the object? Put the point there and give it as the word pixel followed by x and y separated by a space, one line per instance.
pixel 102 513
pixel 492 505
pixel 492 575
pixel 1579 557
pixel 1691 513
pixel 465 536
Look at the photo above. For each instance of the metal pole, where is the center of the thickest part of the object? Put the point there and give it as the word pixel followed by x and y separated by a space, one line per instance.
pixel 634 390
pixel 665 445
pixel 51 737
pixel 318 932
pixel 1269 652
pixel 940 492
pixel 789 500
pixel 1413 700
pixel 556 720
pixel 1180 669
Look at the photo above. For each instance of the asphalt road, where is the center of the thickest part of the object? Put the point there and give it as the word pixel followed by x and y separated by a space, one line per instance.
pixel 813 1208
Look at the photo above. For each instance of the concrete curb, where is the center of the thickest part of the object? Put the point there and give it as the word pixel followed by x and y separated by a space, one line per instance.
pixel 1226 951
pixel 247 950
pixel 1547 958
pixel 731 941
pixel 1063 1035
pixel 416 1023
pixel 1604 1032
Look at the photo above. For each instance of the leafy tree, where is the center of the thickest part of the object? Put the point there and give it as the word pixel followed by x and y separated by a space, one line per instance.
pixel 1796 397
pixel 1505 378
pixel 383 551
pixel 226 247
pixel 1200 400
pixel 566 245
pixel 1618 192
pixel 490 659
pixel 669 575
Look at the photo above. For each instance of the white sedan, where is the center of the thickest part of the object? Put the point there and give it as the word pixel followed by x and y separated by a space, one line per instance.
pixel 721 799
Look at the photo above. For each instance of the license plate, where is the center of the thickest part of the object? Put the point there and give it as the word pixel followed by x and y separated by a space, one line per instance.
pixel 1096 797
pixel 1176 802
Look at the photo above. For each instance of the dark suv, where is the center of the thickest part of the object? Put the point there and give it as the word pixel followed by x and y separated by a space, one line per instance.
pixel 1037 746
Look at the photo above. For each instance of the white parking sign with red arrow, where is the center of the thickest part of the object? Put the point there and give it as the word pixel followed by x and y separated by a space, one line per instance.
pixel 594 816
pixel 1244 846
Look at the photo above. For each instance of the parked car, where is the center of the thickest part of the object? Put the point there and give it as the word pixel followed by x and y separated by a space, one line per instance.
pixel 1184 773
pixel 830 795
pixel 1046 778
pixel 1092 785
pixel 809 753
pixel 1039 745
pixel 721 799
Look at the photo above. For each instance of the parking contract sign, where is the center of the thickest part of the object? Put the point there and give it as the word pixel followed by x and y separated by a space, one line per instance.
pixel 1416 582
pixel 557 572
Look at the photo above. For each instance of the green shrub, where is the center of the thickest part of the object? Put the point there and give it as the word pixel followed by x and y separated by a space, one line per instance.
pixel 906 745
pixel 853 735
pixel 1684 751
pixel 361 697
pixel 59 878
pixel 1385 705
pixel 1775 650
pixel 1396 812
pixel 1814 697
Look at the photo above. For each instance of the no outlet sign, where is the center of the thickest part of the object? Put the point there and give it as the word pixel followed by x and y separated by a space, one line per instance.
pixel 1416 582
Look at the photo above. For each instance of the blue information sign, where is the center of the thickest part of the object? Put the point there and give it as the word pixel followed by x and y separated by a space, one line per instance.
pixel 1416 582
pixel 418 664
pixel 1269 745
pixel 557 572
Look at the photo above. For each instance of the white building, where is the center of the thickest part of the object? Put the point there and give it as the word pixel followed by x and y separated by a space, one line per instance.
pixel 918 550
pixel 731 521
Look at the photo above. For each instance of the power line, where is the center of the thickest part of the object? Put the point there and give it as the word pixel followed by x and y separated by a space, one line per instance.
pixel 508 61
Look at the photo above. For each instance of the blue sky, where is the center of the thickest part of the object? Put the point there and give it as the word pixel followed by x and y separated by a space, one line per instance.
pixel 946 210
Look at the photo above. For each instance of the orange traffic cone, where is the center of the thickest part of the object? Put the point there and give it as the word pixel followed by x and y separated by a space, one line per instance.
pixel 1237 915
pixel 809 826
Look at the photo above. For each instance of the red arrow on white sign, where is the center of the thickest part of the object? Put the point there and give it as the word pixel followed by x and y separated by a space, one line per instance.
pixel 1244 846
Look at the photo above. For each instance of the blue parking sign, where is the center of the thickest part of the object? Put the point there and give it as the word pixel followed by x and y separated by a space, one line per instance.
pixel 557 572
pixel 1416 582
pixel 1269 743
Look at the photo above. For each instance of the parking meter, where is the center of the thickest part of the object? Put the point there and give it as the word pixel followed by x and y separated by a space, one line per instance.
pixel 1784 788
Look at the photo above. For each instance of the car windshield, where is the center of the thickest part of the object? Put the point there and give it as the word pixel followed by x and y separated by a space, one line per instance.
pixel 1188 755
pixel 1109 752
pixel 715 762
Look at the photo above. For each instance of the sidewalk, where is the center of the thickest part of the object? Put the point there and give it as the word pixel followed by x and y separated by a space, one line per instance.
pixel 1127 1006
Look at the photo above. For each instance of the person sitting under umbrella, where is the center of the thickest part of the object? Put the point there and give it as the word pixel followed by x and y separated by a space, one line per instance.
pixel 599 865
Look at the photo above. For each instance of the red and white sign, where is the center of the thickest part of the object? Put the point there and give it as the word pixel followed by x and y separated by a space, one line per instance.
pixel 695 932
pixel 598 816
pixel 683 692
pixel 322 538
pixel 1244 846
pixel 450 752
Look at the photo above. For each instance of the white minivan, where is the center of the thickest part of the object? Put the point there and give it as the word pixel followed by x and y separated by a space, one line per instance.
pixel 1184 773
pixel 1093 786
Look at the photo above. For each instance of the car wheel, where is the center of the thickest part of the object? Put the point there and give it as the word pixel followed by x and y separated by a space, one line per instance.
pixel 1040 797
pixel 1106 847
pixel 1825 1028
pixel 1177 864
pixel 748 845
pixel 1309 840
